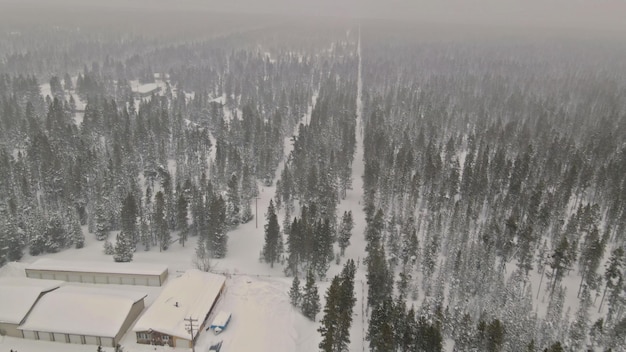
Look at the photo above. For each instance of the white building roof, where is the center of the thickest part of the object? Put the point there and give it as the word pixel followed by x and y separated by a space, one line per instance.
pixel 82 310
pixel 146 88
pixel 98 267
pixel 19 294
pixel 190 295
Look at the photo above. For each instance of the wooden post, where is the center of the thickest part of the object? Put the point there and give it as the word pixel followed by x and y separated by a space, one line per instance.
pixel 189 325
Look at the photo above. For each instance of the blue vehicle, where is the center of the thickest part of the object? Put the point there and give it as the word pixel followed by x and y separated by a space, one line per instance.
pixel 220 322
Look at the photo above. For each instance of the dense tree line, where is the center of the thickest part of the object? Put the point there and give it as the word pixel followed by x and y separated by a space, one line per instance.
pixel 485 161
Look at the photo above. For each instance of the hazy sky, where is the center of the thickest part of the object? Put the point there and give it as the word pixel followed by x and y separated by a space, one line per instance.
pixel 609 14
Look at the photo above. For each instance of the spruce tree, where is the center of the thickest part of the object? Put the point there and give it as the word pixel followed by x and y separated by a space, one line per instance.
pixel 217 239
pixel 123 248
pixel 310 298
pixel 273 247
pixel 613 274
pixel 345 231
pixel 159 222
pixel 330 323
pixel 295 296
pixel 76 233
pixel 102 227
pixel 380 332
pixel 345 306
pixel 181 219
pixel 129 217
pixel 108 247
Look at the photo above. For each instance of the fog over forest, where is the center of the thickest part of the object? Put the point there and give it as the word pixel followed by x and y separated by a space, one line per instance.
pixel 604 14
pixel 391 175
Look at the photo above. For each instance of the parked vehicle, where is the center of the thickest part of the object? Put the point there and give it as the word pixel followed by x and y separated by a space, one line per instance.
pixel 220 322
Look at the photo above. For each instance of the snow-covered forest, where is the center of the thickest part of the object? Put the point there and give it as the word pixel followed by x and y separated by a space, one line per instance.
pixel 457 188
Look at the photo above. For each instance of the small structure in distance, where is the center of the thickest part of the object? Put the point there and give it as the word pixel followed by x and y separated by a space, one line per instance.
pixel 146 90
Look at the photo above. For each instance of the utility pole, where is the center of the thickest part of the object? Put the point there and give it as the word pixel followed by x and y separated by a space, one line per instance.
pixel 189 325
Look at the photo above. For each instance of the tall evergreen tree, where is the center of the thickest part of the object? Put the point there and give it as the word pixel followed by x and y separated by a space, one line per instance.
pixel 159 223
pixel 124 248
pixel 345 231
pixel 380 332
pixel 346 301
pixel 613 274
pixel 129 217
pixel 273 248
pixel 310 297
pixel 181 219
pixel 330 322
pixel 295 295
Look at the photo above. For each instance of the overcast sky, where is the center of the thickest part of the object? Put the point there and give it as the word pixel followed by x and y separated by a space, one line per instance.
pixel 606 14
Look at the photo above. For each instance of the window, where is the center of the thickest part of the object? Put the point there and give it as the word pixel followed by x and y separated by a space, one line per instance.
pixel 165 337
pixel 142 336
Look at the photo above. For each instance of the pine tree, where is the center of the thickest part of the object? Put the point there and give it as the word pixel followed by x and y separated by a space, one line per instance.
pixel 181 219
pixel 55 235
pixel 560 262
pixel 323 250
pixel 273 247
pixel 159 222
pixel 579 327
pixel 555 347
pixel 379 280
pixel 345 231
pixel 295 296
pixel 76 232
pixel 613 273
pixel 233 216
pixel 495 336
pixel 67 82
pixel 380 332
pixel 129 217
pixel 102 227
pixel 345 306
pixel 108 247
pixel 217 239
pixel 330 323
pixel 123 248
pixel 202 258
pixel 310 298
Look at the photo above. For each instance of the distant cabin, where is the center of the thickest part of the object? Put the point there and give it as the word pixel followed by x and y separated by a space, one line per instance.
pixel 192 295
pixel 146 90
pixel 92 272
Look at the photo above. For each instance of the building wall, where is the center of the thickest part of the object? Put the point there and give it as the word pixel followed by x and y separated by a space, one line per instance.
pixel 98 278
pixel 155 338
pixel 7 329
pixel 134 312
pixel 180 342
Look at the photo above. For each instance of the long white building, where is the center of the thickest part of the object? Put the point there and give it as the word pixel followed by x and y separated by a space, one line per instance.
pixel 83 315
pixel 98 272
